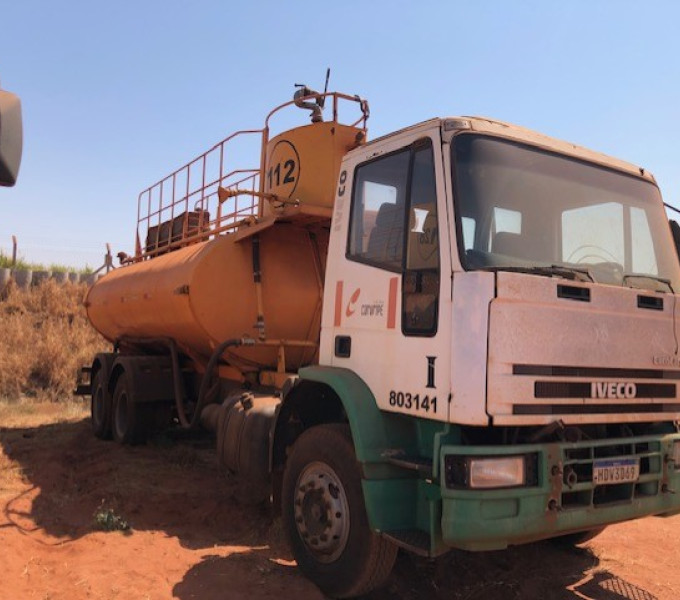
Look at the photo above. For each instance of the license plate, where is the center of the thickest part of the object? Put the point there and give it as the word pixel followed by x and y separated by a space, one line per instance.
pixel 610 472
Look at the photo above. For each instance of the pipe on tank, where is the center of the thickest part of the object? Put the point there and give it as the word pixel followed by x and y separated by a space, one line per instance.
pixel 315 107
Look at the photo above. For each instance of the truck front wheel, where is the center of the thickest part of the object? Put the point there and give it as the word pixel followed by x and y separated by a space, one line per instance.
pixel 325 517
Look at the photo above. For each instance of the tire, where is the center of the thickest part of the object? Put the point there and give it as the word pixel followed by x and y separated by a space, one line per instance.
pixel 100 406
pixel 324 515
pixel 127 422
pixel 581 537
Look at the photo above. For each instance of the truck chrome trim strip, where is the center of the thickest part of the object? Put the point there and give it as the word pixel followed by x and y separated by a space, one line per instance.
pixel 560 371
pixel 575 409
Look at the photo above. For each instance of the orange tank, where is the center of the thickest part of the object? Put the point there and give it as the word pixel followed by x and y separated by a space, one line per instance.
pixel 193 281
pixel 203 294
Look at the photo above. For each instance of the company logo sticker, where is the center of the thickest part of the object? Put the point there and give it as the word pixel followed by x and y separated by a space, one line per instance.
pixel 375 308
pixel 349 311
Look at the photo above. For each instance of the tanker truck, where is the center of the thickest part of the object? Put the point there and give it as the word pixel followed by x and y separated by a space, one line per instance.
pixel 463 334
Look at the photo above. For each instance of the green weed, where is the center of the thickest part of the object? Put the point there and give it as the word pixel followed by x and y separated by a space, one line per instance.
pixel 105 519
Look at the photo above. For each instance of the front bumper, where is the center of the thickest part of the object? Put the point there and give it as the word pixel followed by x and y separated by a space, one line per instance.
pixel 564 500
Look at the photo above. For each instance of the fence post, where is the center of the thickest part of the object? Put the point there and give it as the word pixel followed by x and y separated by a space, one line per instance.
pixel 14 251
pixel 108 262
pixel 109 258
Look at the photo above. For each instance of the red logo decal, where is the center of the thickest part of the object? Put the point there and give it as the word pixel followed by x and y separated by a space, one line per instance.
pixel 392 303
pixel 352 301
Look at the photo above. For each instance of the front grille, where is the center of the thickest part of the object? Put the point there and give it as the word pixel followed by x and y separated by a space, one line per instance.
pixel 578 490
pixel 606 391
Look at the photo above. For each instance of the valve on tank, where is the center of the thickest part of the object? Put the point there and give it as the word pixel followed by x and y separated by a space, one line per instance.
pixel 319 99
pixel 316 107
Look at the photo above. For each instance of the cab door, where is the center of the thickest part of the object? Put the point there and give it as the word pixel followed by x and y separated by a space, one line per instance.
pixel 387 305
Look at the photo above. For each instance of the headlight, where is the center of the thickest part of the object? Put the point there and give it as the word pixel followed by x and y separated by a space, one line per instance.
pixel 497 472
pixel 477 472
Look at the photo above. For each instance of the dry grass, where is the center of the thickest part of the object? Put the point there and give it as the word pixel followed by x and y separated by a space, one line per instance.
pixel 27 412
pixel 45 338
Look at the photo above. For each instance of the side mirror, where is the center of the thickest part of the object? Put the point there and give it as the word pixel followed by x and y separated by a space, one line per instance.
pixel 11 136
pixel 675 230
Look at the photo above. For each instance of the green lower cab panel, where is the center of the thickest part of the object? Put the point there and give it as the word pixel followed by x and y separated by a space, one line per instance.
pixel 569 487
pixel 408 511
pixel 417 492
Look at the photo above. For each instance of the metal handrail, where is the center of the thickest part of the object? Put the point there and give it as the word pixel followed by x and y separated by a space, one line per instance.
pixel 163 205
pixel 159 205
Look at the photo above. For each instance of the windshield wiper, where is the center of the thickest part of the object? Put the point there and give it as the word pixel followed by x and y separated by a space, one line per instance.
pixel 573 273
pixel 666 282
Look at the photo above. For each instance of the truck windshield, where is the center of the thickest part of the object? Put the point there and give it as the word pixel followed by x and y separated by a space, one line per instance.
pixel 521 208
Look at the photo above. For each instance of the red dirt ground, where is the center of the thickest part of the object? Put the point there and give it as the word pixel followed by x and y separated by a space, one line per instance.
pixel 189 539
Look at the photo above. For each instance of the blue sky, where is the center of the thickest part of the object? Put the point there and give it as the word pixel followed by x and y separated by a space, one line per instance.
pixel 118 94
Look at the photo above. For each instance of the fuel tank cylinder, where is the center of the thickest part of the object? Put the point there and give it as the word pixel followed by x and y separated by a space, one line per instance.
pixel 203 294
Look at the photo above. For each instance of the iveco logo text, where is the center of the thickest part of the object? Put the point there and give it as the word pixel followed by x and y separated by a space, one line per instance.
pixel 604 389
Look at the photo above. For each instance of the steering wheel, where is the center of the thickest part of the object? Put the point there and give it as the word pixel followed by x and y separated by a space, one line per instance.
pixel 592 252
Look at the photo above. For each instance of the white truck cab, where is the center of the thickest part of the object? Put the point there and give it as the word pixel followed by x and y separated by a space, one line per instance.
pixel 483 274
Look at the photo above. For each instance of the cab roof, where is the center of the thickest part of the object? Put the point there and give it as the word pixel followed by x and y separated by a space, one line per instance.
pixel 505 130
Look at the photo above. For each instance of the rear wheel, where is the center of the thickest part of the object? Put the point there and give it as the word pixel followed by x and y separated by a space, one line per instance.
pixel 325 517
pixel 127 424
pixel 100 406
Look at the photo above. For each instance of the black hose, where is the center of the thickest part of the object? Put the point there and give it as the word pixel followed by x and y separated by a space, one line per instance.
pixel 176 378
pixel 177 385
pixel 203 390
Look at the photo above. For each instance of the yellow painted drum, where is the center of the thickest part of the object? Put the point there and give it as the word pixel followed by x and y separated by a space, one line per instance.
pixel 302 164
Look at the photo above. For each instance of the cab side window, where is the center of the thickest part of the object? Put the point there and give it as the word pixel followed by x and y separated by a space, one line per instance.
pixel 378 212
pixel 394 227
pixel 421 272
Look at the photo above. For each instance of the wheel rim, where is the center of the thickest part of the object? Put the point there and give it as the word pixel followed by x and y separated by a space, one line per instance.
pixel 121 414
pixel 322 512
